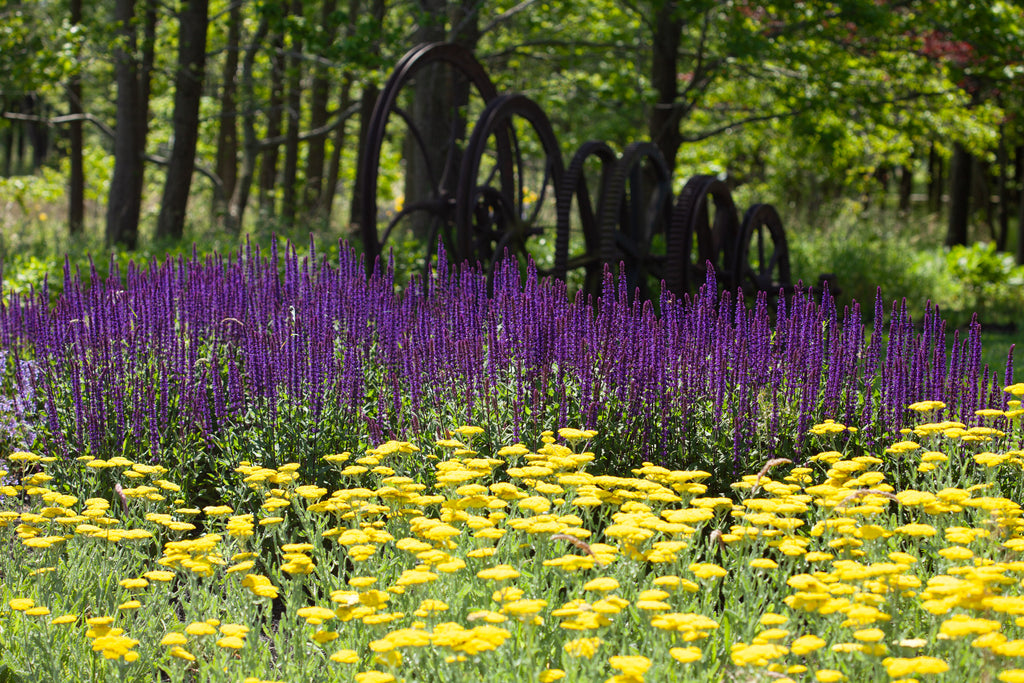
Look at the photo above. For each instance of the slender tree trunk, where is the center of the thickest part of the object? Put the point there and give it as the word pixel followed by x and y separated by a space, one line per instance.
pixel 663 123
pixel 7 136
pixel 1004 191
pixel 227 133
pixel 268 165
pixel 125 200
pixel 935 180
pixel 906 188
pixel 1020 231
pixel 959 196
pixel 294 110
pixel 326 202
pixel 188 88
pixel 76 179
pixel 368 98
pixel 315 150
pixel 240 197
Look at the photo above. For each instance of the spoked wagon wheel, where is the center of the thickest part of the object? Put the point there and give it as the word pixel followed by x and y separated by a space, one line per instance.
pixel 707 239
pixel 429 139
pixel 762 256
pixel 510 171
pixel 635 220
pixel 570 254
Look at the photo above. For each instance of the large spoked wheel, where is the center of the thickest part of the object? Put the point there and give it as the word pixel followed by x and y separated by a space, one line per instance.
pixel 506 191
pixel 636 230
pixel 762 256
pixel 572 253
pixel 708 238
pixel 426 136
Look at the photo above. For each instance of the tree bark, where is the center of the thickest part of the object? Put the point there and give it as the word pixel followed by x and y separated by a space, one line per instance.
pixel 935 180
pixel 294 110
pixel 226 166
pixel 76 178
pixel 315 151
pixel 124 204
pixel 438 102
pixel 326 200
pixel 240 197
pixel 268 164
pixel 663 123
pixel 1004 191
pixel 906 188
pixel 188 88
pixel 959 196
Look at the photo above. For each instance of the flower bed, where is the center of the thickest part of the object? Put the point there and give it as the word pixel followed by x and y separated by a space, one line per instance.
pixel 519 564
pixel 198 363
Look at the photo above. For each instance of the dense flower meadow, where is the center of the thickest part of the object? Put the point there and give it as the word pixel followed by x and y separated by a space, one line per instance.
pixel 251 469
pixel 204 361
pixel 520 565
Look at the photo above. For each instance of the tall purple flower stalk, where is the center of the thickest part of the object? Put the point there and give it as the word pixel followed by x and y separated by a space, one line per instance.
pixel 266 343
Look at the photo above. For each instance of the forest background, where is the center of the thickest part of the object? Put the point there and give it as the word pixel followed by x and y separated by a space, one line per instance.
pixel 888 133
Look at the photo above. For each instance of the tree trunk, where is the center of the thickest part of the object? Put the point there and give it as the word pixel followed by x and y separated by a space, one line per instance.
pixel 227 133
pixel 268 165
pixel 367 99
pixel 959 196
pixel 125 199
pixel 240 197
pixel 7 135
pixel 188 88
pixel 906 188
pixel 326 201
pixel 76 179
pixel 438 103
pixel 663 123
pixel 1004 191
pixel 935 180
pixel 294 110
pixel 315 151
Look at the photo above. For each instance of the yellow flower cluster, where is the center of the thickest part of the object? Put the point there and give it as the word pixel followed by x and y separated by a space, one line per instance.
pixel 827 562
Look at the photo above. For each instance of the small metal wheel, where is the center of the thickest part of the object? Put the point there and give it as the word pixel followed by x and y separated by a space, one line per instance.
pixel 428 142
pixel 707 239
pixel 636 230
pixel 570 254
pixel 762 254
pixel 505 195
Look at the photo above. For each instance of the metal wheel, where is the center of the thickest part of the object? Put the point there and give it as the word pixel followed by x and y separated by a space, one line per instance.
pixel 429 141
pixel 762 254
pixel 576 185
pixel 706 239
pixel 636 230
pixel 511 168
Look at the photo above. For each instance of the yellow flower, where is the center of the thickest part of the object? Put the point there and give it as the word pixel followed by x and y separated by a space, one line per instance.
pixel 707 570
pixel 64 619
pixel 806 644
pixel 583 647
pixel 374 677
pixel 174 638
pixel 633 665
pixel 231 642
pixel 764 563
pixel 685 655
pixel 345 657
pixel 200 628
pixel 869 635
pixel 550 675
pixel 828 675
pixel 21 604
pixel 133 583
pixel 498 573
pixel 181 653
pixel 899 667
pixel 602 583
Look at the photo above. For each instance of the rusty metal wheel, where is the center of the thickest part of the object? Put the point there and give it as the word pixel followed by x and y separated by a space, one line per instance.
pixel 510 172
pixel 636 229
pixel 425 212
pixel 569 253
pixel 707 239
pixel 762 253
